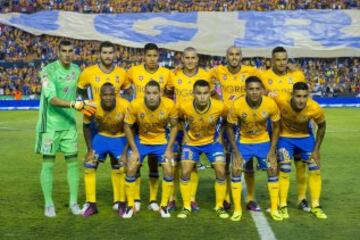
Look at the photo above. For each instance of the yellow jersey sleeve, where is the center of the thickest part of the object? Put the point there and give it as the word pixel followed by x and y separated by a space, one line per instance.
pixel 317 113
pixel 130 116
pixel 232 116
pixel 83 81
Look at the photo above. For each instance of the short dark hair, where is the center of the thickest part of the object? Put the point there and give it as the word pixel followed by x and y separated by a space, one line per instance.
pixel 201 83
pixel 107 85
pixel 64 42
pixel 107 44
pixel 278 49
pixel 153 83
pixel 300 86
pixel 150 46
pixel 252 79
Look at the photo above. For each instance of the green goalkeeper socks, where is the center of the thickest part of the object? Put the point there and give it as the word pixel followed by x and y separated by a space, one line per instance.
pixel 73 180
pixel 46 179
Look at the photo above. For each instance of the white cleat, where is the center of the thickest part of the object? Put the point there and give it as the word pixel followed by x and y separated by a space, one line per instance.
pixel 50 211
pixel 164 212
pixel 128 213
pixel 115 206
pixel 154 206
pixel 137 206
pixel 75 209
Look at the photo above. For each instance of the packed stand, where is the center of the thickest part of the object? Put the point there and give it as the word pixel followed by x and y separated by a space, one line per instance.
pixel 22 54
pixel 136 6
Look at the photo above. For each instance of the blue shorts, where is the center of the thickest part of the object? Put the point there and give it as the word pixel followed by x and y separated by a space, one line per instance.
pixel 103 146
pixel 214 152
pixel 155 150
pixel 257 150
pixel 287 147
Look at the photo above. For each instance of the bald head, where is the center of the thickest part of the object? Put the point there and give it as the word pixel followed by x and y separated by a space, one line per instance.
pixel 233 56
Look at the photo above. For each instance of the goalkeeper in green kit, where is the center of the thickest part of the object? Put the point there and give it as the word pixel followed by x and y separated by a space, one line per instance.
pixel 56 126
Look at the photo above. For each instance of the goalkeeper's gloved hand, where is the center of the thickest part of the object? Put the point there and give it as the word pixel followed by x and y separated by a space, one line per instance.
pixel 87 107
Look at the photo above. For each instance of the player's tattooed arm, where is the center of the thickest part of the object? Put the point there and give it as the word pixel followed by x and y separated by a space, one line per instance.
pixel 272 158
pixel 238 160
pixel 173 122
pixel 320 134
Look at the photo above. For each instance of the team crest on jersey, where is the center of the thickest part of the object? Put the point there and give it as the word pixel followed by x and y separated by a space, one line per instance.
pixel 243 115
pixel 270 81
pixel 290 80
pixel 264 114
pixel 97 79
pixel 117 79
pixel 179 81
pixel 141 78
pixel 162 115
pixel 211 120
pixel 68 78
pixel 142 115
pixel 225 77
pixel 161 79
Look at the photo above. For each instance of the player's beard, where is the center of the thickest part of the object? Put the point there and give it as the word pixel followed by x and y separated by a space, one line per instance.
pixel 106 65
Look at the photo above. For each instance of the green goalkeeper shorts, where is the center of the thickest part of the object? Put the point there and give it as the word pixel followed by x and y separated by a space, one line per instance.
pixel 49 143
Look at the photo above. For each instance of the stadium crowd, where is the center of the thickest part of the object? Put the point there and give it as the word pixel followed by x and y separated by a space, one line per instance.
pixel 328 77
pixel 122 6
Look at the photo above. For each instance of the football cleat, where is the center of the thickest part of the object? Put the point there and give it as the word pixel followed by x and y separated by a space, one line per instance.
pixel 318 212
pixel 115 206
pixel 304 205
pixel 194 207
pixel 75 209
pixel 154 206
pixel 89 209
pixel 276 215
pixel 171 206
pixel 50 211
pixel 184 213
pixel 137 205
pixel 236 216
pixel 284 212
pixel 129 212
pixel 253 206
pixel 221 213
pixel 226 205
pixel 164 212
pixel 122 208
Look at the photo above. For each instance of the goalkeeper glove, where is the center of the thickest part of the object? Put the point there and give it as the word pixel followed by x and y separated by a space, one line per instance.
pixel 86 107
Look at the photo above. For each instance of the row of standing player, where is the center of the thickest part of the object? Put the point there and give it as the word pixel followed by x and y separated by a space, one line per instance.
pixel 231 79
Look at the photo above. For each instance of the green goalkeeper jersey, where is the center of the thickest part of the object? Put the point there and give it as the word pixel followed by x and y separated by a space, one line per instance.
pixel 59 82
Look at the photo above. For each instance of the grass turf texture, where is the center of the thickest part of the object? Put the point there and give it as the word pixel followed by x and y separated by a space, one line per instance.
pixel 21 201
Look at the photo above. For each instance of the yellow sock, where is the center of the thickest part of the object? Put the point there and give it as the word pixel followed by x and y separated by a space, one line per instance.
pixel 228 188
pixel 273 188
pixel 301 179
pixel 236 189
pixel 137 189
pixel 185 189
pixel 194 182
pixel 176 182
pixel 315 187
pixel 220 191
pixel 167 190
pixel 250 186
pixel 90 184
pixel 130 188
pixel 153 187
pixel 284 183
pixel 122 196
pixel 115 180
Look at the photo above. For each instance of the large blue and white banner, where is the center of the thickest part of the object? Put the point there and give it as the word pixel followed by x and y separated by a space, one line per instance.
pixel 310 33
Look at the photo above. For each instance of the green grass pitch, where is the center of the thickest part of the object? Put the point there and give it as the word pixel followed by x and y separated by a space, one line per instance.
pixel 21 202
